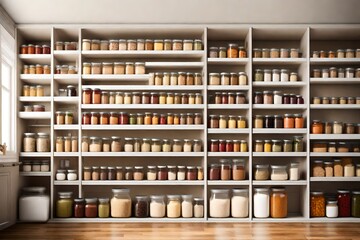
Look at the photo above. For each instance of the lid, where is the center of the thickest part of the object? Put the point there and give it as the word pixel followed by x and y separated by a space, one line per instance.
pixel 317 193
pixel 30 134
pixel 187 197
pixel 151 167
pixel 104 200
pixel 157 197
pixel 261 166
pixel 139 167
pixel 120 190
pixel 278 166
pixel 173 197
pixel 356 192
pixel 71 171
pixel 220 191
pixel 343 191
pixel 34 189
pixel 171 167
pixel 90 200
pixel 240 190
pixel 95 167
pixel 261 190
pixel 43 134
pixel 278 189
pixel 79 200
pixel 198 200
pixel 65 194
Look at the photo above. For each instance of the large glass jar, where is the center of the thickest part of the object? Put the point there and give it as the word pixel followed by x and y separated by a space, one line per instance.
pixel 219 203
pixel 355 204
pixel 278 203
pixel 29 142
pixel 43 142
pixel 157 206
pixel 141 207
pixel 120 203
pixel 64 205
pixel 317 127
pixel 317 204
pixel 240 203
pixel 173 207
pixel 344 203
pixel 261 203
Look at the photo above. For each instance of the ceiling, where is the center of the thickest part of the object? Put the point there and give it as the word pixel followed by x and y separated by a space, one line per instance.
pixel 182 11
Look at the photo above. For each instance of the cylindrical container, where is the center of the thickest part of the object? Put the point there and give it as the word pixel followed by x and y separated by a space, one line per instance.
pixel 120 203
pixel 219 203
pixel 261 203
pixel 173 207
pixel 344 203
pixel 91 209
pixel 141 207
pixel 278 203
pixel 34 205
pixel 64 205
pixel 317 204
pixel 332 209
pixel 355 204
pixel 240 203
pixel 157 206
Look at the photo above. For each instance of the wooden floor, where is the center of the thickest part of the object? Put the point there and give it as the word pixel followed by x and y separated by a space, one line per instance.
pixel 199 231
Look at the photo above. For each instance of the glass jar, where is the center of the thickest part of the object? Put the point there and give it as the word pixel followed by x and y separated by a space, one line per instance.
pixel 225 170
pixel 259 146
pixel 279 173
pixel 338 168
pixel 317 204
pixel 95 144
pixel 138 173
pixel 120 203
pixel 332 209
pixel 43 142
pixel 79 207
pixel 171 173
pixel 276 146
pixel 278 203
pixel 173 207
pixel 119 68
pixel 240 203
pixel 157 206
pixel 259 75
pixel 214 172
pixel 278 121
pixel 261 203
pixel 289 121
pixel 191 173
pixel 29 142
pixel 219 203
pixel 294 172
pixel 259 121
pixel 284 52
pixel 337 127
pixel 317 127
pixel 344 203
pixel 91 209
pixel 238 169
pixel 355 204
pixel 141 207
pixel 268 97
pixel 64 205
pixel 162 173
pixel 96 96
pixel 151 173
pixel 85 144
pixel 262 172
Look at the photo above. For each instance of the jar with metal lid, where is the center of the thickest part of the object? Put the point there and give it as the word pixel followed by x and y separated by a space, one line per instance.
pixel 278 203
pixel 262 172
pixel 278 121
pixel 141 207
pixel 85 144
pixel 129 173
pixel 222 52
pixel 257 53
pixel 233 50
pixel 259 75
pixel 287 145
pixel 242 79
pixel 284 76
pixel 332 209
pixel 259 146
pixel 120 203
pixel 355 204
pixel 95 144
pixel 337 127
pixel 269 121
pixel 279 173
pixel 267 75
pixel 60 175
pixel 157 206
pixel 275 75
pixel 276 146
pixel 258 98
pixel 268 97
pixel 107 68
pixel 289 121
pixel 69 117
pixel 177 44
pixel 261 203
pixel 171 173
pixel 39 69
pixel 162 173
pixel 155 145
pixel 38 108
pixel 259 121
pixel 284 52
pixel 167 44
pixel 138 173
pixel 298 144
pixel 267 146
pixel 225 169
pixel 329 169
pixel 344 203
pixel 293 77
pixel 64 205
pixel 274 53
pixel 188 45
pixel 191 173
pixel 317 204
pixel 317 127
pixel 219 203
pixel 294 53
pixel 43 142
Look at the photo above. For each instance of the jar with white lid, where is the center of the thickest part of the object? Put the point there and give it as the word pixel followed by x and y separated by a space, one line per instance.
pixel 43 142
pixel 261 203
pixel 29 142
pixel 71 174
pixel 242 79
pixel 60 175
pixel 129 145
pixel 267 75
pixel 219 203
pixel 34 205
pixel 278 173
pixel 181 173
pixel 332 209
pixel 187 145
pixel 276 75
pixel 157 206
pixel 120 203
pixel 240 203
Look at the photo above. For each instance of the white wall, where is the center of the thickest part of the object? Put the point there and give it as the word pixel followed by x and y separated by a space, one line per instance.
pixel 183 11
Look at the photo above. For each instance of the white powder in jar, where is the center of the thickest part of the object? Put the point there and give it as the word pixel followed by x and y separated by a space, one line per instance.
pixel 279 176
pixel 166 147
pixel 186 209
pixel 84 147
pixel 187 146
pixel 239 206
pixel 198 211
pixel 128 147
pixel 219 208
pixel 261 205
pixel 157 210
pixel 294 174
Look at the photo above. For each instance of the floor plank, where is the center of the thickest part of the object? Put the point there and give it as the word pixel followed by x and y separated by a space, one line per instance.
pixel 183 231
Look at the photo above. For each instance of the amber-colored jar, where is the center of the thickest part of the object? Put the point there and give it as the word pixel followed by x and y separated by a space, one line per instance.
pixel 104 118
pixel 233 50
pixel 317 127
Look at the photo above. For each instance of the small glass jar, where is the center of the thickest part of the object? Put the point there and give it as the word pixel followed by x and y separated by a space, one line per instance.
pixel 64 205
pixel 317 204
pixel 275 75
pixel 262 172
pixel 259 75
pixel 278 173
pixel 177 45
pixel 276 146
pixel 157 206
pixel 274 53
pixel 191 173
pixel 317 127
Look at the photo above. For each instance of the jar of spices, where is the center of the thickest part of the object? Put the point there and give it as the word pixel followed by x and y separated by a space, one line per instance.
pixel 259 75
pixel 238 169
pixel 177 44
pixel 287 145
pixel 242 79
pixel 157 206
pixel 298 144
pixel 268 97
pixel 317 204
pixel 274 53
pixel 317 127
pixel 278 121
pixel 278 203
pixel 289 121
pixel 233 50
pixel 284 76
pixel 276 146
pixel 141 207
pixel 95 144
pixel 262 172
pixel 225 170
pixel 43 142
pixel 162 173
pixel 337 127
pixel 85 144
pixel 257 53
pixel 214 172
pixel 173 206
pixel 191 173
pixel 259 146
pixel 79 207
pixel 138 173
pixel 259 98
pixel 259 121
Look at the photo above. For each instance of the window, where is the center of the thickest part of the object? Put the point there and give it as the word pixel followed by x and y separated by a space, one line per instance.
pixel 7 90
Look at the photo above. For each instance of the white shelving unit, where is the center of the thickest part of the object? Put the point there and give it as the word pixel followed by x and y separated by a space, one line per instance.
pixel 306 38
